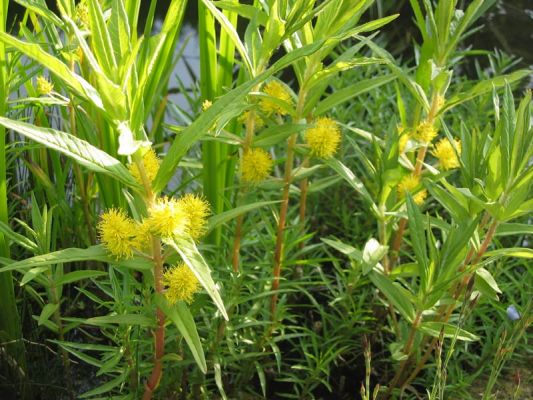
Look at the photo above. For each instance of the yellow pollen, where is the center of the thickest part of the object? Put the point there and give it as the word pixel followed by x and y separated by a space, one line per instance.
pixel 197 211
pixel 256 165
pixel 150 164
pixel 425 132
pixel 445 153
pixel 181 284
pixel 409 184
pixel 278 91
pixel 117 233
pixel 44 86
pixel 323 138
pixel 166 218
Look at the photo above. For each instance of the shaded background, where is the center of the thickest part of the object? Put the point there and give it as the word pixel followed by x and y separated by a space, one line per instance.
pixel 508 26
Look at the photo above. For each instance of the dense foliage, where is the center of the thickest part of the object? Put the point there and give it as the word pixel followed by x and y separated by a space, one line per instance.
pixel 321 220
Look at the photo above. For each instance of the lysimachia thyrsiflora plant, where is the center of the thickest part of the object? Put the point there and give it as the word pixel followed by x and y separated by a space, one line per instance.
pixel 419 158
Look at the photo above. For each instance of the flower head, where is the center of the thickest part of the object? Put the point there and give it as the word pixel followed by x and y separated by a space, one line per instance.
pixel 206 104
pixel 82 14
pixel 402 143
pixel 409 184
pixel 278 91
pixel 256 165
pixel 143 238
pixel 117 233
pixel 197 210
pixel 150 164
pixel 44 86
pixel 258 121
pixel 166 218
pixel 181 284
pixel 425 132
pixel 444 151
pixel 323 138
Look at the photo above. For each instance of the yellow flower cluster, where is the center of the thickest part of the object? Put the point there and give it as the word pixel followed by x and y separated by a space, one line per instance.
pixel 444 151
pixel 409 184
pixel 167 218
pixel 197 211
pixel 151 165
pixel 259 123
pixel 256 165
pixel 118 233
pixel 206 104
pixel 44 86
pixel 425 132
pixel 323 138
pixel 278 91
pixel 82 14
pixel 181 284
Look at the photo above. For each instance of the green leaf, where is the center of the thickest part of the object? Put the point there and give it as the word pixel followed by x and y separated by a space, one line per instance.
pixel 80 150
pixel 23 241
pixel 232 33
pixel 350 177
pixel 349 92
pixel 344 248
pixel 511 252
pixel 62 71
pixel 78 276
pixel 106 387
pixel 510 229
pixel 121 319
pixel 417 232
pixel 484 87
pixel 96 253
pixel 275 134
pixel 340 66
pixel 394 294
pixel 433 328
pixel 47 311
pixel 226 216
pixel 181 316
pixel 194 260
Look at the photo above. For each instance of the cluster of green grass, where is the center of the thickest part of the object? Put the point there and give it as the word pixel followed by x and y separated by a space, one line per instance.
pixel 368 219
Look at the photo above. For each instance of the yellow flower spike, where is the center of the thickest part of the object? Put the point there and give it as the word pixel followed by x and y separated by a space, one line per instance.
pixel 166 218
pixel 259 123
pixel 256 165
pixel 197 211
pixel 151 166
pixel 44 86
pixel 446 155
pixel 181 284
pixel 323 138
pixel 206 104
pixel 408 185
pixel 82 14
pixel 278 91
pixel 425 132
pixel 117 233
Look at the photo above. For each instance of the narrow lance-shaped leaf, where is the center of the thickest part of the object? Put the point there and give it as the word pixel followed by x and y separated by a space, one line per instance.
pixel 181 316
pixel 81 151
pixel 194 260
pixel 62 71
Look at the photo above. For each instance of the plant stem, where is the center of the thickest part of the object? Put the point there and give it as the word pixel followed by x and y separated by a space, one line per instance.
pixel 159 334
pixel 289 161
pixel 448 311
pixel 407 351
pixel 304 186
